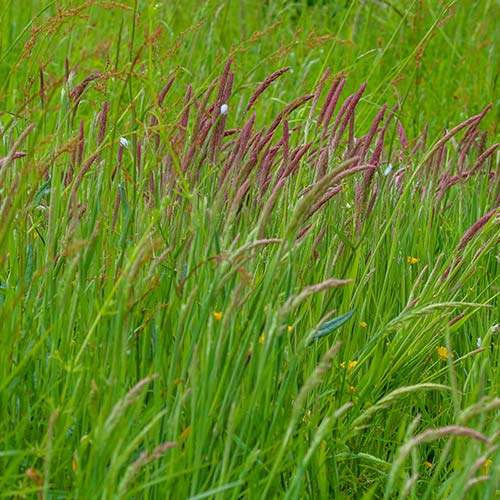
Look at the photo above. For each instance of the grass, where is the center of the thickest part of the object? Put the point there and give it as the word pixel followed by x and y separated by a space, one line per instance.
pixel 223 280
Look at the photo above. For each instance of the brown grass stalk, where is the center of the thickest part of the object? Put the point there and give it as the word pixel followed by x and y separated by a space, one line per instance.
pixel 318 91
pixel 471 122
pixel 371 133
pixel 14 152
pixel 223 82
pixel 475 228
pixel 164 91
pixel 239 150
pixel 76 184
pixel 349 115
pixel 298 154
pixel 319 189
pixel 482 158
pixel 220 119
pixel 403 140
pixel 328 196
pixel 331 103
pixel 77 91
pixel 263 86
pixel 102 123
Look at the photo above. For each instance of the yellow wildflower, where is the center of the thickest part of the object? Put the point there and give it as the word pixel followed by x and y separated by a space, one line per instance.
pixel 486 466
pixel 363 324
pixel 290 328
pixel 352 389
pixel 443 353
pixel 428 465
pixel 262 339
pixel 217 315
pixel 412 260
pixel 350 365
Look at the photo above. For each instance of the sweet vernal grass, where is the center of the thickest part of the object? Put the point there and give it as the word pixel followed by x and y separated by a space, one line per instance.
pixel 249 250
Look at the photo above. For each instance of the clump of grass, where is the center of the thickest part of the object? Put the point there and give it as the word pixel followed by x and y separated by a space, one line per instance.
pixel 218 282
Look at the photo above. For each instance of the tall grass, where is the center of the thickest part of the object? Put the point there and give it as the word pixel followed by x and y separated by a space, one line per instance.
pixel 249 250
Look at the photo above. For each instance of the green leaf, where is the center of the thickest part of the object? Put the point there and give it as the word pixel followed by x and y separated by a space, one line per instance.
pixel 332 325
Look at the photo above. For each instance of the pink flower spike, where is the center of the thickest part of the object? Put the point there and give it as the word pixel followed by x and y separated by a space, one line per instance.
pixel 19 154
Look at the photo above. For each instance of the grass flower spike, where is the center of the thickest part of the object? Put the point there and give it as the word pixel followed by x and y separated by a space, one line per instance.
pixel 15 156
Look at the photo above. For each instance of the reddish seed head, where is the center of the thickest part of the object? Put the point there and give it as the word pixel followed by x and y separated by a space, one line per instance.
pixel 16 155
pixel 263 86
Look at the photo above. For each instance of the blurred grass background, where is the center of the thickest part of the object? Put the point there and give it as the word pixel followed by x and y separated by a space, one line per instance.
pixel 149 344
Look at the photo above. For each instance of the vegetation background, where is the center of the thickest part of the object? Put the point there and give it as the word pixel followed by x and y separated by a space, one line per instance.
pixel 249 249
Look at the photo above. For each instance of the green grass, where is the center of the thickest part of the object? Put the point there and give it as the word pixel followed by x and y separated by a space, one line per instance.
pixel 193 314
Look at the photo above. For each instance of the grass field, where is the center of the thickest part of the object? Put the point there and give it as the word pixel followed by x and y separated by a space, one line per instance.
pixel 249 249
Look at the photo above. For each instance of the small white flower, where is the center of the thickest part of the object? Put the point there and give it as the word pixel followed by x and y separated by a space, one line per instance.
pixel 223 109
pixel 479 343
pixel 388 170
pixel 124 142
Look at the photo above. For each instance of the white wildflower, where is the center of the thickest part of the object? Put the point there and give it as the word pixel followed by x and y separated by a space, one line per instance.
pixel 124 142
pixel 388 170
pixel 223 109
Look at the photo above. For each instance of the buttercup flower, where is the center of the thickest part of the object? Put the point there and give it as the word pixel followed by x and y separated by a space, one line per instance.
pixel 350 365
pixel 412 260
pixel 442 353
pixel 486 466
pixel 262 339
pixel 363 324
pixel 217 315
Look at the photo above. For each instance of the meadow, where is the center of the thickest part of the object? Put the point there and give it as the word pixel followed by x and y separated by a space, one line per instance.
pixel 249 249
